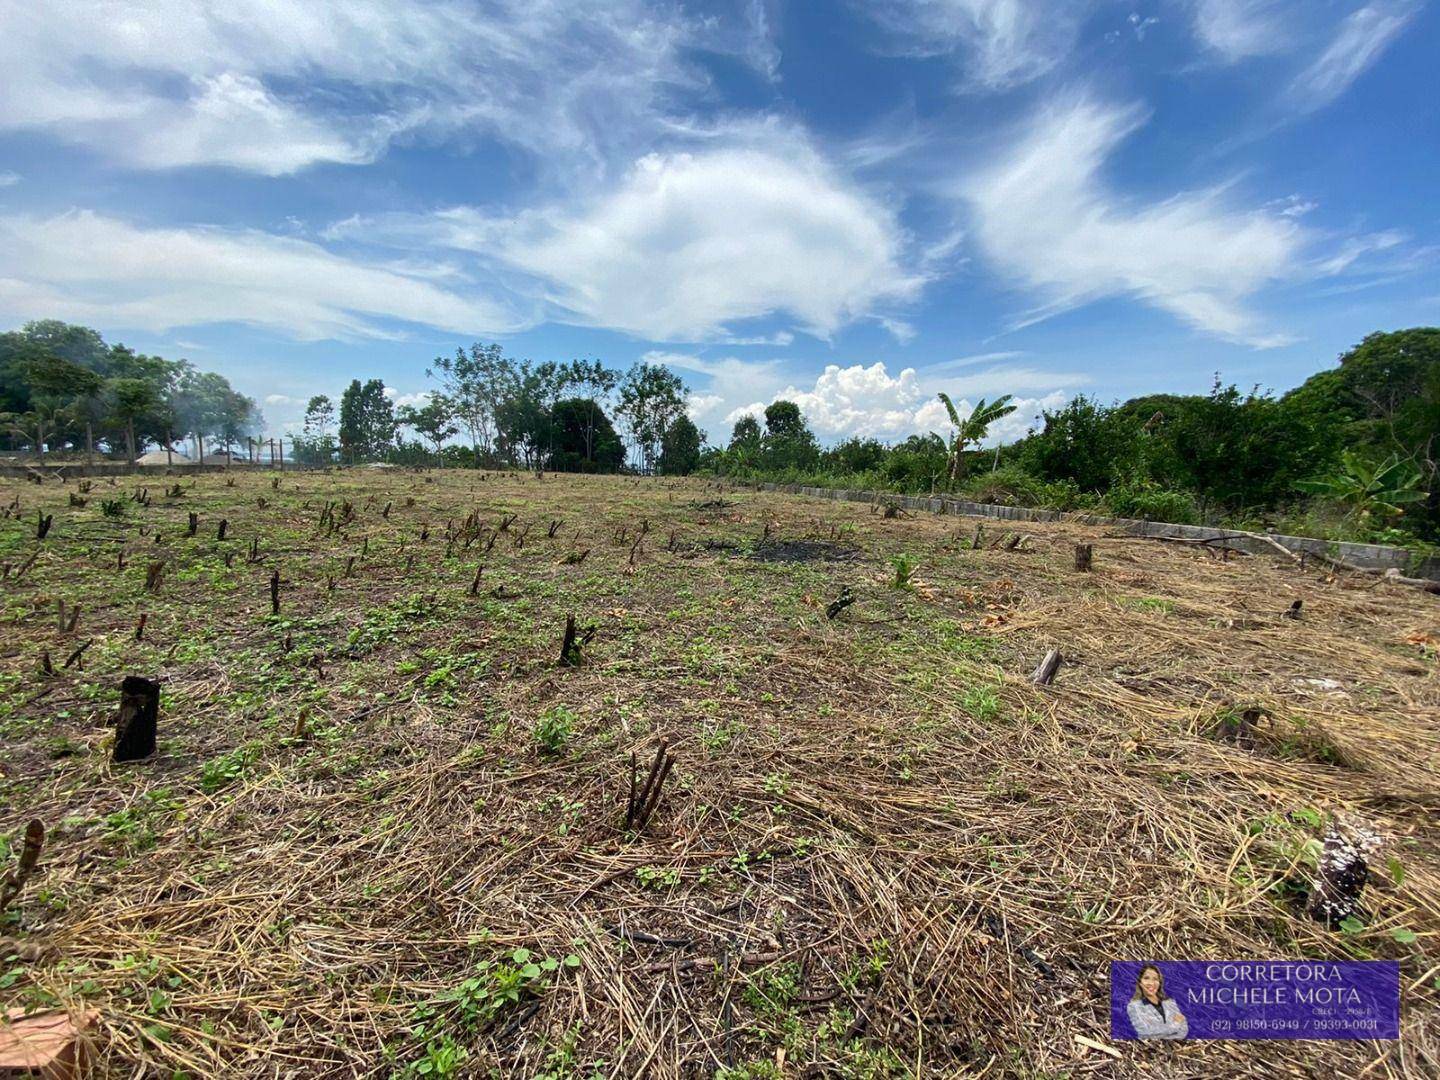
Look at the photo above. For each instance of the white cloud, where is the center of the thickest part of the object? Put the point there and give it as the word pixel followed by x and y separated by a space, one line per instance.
pixel 1044 216
pixel 283 399
pixel 998 43
pixel 9 179
pixel 161 278
pixel 1239 29
pixel 868 402
pixel 1362 38
pixel 688 244
pixel 275 85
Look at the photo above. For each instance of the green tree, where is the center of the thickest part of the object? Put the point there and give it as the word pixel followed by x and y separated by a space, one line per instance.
pixel 652 397
pixel 477 383
pixel 597 383
pixel 680 447
pixel 788 443
pixel 585 440
pixel 367 421
pixel 55 388
pixel 746 433
pixel 132 402
pixel 433 421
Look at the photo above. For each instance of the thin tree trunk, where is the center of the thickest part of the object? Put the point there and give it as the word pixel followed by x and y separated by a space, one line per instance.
pixel 89 444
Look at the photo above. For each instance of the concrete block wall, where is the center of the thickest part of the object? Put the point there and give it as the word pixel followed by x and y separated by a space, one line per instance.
pixel 1369 556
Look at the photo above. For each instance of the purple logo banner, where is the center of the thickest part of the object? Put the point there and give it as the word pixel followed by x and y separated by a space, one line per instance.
pixel 1254 999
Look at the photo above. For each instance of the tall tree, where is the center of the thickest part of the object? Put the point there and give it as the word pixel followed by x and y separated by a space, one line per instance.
pixel 789 443
pixel 585 440
pixel 133 402
pixel 652 397
pixel 680 447
pixel 477 383
pixel 597 382
pixel 433 421
pixel 367 421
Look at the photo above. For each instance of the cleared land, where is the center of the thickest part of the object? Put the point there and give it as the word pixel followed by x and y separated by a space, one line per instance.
pixel 881 850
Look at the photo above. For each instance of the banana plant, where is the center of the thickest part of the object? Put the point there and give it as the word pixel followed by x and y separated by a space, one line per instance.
pixel 973 428
pixel 1369 490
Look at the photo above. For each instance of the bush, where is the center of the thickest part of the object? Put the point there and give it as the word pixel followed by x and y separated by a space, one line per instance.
pixel 1150 502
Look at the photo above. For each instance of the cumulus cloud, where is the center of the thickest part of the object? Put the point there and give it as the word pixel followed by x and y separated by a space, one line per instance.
pixel 1361 39
pixel 687 244
pixel 997 44
pixel 864 400
pixel 1044 216
pixel 275 85
pixel 93 268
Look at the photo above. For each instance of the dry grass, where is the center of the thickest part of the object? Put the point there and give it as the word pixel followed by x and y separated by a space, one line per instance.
pixel 882 851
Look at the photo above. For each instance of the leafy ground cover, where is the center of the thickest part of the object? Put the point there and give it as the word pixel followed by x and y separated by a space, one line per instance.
pixel 384 831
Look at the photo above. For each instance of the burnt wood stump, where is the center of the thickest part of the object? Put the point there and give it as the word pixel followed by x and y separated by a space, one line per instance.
pixel 1084 555
pixel 139 715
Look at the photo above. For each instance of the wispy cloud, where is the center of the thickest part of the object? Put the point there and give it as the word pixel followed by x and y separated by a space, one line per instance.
pixel 1045 217
pixel 161 278
pixel 1360 40
pixel 1238 29
pixel 997 44
pixel 9 179
pixel 272 86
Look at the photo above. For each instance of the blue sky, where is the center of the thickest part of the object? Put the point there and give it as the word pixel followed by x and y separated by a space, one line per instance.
pixel 852 205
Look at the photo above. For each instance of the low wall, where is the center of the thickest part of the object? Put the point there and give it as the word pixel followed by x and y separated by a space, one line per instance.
pixel 121 468
pixel 1369 556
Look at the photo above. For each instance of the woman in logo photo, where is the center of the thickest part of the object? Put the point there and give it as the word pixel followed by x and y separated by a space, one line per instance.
pixel 1153 1013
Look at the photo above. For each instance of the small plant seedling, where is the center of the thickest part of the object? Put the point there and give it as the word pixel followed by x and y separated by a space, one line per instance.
pixel 904 571
pixel 553 729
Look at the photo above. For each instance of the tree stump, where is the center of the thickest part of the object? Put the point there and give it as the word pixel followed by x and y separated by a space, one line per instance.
pixel 1084 554
pixel 139 715
pixel 1044 675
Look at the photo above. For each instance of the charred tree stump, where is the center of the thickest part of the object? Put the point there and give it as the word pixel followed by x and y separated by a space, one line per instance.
pixel 14 881
pixel 140 626
pixel 1084 555
pixel 275 592
pixel 42 526
pixel 475 581
pixel 570 647
pixel 220 532
pixel 643 799
pixel 1293 611
pixel 1045 674
pixel 139 715
pixel 194 523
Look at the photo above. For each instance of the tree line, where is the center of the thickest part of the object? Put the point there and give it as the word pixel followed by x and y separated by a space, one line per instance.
pixel 1351 453
pixel 508 412
pixel 63 388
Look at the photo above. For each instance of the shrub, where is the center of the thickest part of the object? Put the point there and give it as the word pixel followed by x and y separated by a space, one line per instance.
pixel 1149 501
pixel 552 730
